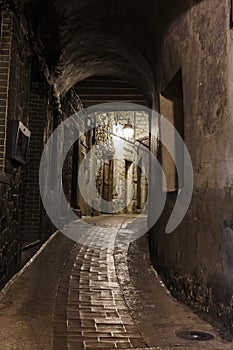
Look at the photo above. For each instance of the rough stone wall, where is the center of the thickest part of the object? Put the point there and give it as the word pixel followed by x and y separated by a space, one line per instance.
pixel 124 151
pixel 196 259
pixel 10 247
pixel 127 151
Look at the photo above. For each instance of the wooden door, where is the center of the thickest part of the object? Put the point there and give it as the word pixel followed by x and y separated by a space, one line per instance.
pixel 107 184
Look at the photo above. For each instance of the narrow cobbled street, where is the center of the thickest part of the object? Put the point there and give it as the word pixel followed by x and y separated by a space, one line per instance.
pixel 79 297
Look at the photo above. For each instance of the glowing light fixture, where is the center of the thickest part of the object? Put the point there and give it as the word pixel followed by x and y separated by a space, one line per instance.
pixel 128 130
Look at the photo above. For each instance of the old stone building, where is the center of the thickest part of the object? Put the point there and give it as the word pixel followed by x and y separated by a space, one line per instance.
pixel 150 60
pixel 120 177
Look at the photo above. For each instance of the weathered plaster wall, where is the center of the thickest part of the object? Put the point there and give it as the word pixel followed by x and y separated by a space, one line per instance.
pixel 196 260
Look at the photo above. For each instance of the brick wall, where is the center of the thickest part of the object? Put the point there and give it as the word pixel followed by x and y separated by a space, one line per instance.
pixel 22 97
pixel 43 118
pixel 32 207
pixel 6 21
pixel 10 177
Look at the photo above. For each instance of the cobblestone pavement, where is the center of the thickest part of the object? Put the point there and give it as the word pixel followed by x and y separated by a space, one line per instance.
pixel 115 302
pixel 79 297
pixel 91 313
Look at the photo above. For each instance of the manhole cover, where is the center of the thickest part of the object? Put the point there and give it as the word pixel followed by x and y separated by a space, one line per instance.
pixel 195 335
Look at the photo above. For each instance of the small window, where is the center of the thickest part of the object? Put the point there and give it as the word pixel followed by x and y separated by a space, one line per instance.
pixel 19 136
pixel 171 107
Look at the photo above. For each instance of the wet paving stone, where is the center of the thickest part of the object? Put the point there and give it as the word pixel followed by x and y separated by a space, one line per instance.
pixel 44 308
pixel 96 314
pixel 97 289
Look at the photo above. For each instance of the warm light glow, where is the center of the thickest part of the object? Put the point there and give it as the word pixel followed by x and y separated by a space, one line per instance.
pixel 128 131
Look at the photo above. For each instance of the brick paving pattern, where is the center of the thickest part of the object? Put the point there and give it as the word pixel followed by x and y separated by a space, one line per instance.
pixel 91 312
pixel 90 305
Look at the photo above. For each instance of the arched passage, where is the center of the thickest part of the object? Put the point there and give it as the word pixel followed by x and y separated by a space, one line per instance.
pixel 145 44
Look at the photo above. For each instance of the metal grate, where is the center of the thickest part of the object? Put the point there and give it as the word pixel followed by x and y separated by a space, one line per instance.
pixel 195 335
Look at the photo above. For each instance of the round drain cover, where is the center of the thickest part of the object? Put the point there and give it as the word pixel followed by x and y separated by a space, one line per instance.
pixel 195 335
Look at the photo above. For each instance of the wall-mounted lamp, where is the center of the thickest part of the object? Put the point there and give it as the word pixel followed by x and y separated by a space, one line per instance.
pixel 128 130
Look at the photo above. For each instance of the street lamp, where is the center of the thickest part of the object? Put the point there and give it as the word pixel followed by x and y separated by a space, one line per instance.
pixel 128 130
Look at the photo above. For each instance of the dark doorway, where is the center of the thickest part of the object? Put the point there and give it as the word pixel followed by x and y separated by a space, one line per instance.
pixel 107 189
